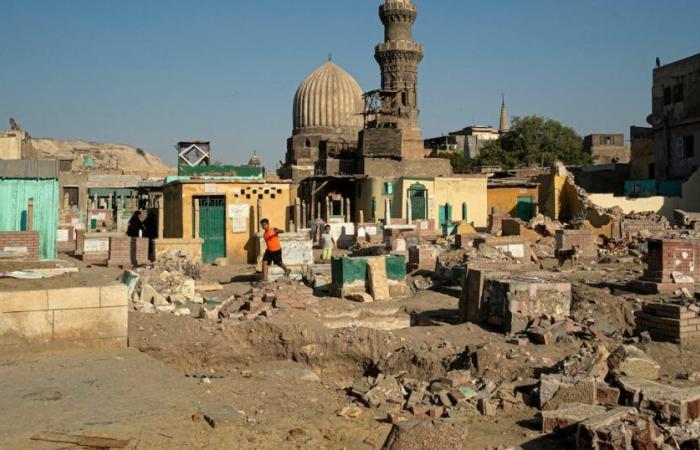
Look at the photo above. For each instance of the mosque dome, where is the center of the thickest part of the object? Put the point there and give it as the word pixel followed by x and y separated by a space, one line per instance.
pixel 329 100
pixel 254 160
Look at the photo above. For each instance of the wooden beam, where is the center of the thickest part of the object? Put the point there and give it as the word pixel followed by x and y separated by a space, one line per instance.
pixel 83 441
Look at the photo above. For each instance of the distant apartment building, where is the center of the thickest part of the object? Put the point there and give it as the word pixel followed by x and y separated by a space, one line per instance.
pixel 643 154
pixel 676 118
pixel 607 148
pixel 468 141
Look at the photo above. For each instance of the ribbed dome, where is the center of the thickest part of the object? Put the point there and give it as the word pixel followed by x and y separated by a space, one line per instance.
pixel 329 99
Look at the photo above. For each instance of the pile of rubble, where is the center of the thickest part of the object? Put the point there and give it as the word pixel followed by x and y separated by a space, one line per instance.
pixel 456 394
pixel 600 398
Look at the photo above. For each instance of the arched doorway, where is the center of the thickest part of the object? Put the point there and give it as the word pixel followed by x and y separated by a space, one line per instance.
pixel 418 196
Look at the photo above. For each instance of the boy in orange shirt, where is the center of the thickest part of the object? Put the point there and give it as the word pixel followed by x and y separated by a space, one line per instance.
pixel 273 253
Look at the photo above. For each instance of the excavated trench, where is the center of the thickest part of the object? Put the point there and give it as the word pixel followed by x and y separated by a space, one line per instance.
pixel 338 356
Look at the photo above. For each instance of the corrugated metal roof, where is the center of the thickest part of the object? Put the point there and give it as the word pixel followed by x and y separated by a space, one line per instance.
pixel 29 168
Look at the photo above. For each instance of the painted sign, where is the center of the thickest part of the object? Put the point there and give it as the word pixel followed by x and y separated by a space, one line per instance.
pixel 62 235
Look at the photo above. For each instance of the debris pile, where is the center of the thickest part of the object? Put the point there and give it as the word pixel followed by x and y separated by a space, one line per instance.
pixel 456 394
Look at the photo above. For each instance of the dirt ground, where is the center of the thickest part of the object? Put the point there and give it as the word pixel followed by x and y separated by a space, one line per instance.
pixel 279 382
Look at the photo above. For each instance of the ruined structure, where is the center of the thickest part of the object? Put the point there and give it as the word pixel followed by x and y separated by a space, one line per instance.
pixel 607 148
pixel 676 118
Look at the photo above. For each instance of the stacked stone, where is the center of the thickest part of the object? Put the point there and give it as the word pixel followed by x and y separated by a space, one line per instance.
pixel 668 322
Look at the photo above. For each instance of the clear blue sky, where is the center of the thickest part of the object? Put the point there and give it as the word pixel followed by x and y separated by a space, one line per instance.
pixel 152 72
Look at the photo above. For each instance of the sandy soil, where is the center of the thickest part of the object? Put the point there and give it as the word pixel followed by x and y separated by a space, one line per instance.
pixel 279 382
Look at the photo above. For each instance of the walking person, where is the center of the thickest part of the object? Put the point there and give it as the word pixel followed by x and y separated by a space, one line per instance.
pixel 273 252
pixel 135 226
pixel 327 243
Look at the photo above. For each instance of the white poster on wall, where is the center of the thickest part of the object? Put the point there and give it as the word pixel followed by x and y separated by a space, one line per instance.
pixel 96 245
pixel 62 235
pixel 240 216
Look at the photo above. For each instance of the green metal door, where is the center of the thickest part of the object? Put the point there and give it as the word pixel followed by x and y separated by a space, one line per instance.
pixel 212 227
pixel 525 210
pixel 418 196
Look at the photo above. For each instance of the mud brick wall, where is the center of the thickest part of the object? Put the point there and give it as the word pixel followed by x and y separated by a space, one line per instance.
pixel 668 322
pixel 423 258
pixel 585 239
pixel 634 226
pixel 93 317
pixel 127 251
pixel 21 245
pixel 666 256
pixel 94 250
pixel 69 218
pixel 465 240
pixel 65 239
pixel 495 223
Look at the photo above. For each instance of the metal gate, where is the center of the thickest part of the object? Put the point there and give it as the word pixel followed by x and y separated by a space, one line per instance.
pixel 212 227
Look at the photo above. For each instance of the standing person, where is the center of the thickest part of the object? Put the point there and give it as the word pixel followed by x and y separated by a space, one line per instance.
pixel 273 253
pixel 327 243
pixel 135 226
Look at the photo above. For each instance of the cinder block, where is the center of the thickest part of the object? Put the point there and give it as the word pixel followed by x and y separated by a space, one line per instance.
pixel 80 297
pixel 21 326
pixel 23 301
pixel 115 295
pixel 71 324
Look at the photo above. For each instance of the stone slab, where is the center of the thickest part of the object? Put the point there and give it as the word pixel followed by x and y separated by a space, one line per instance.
pixel 23 326
pixel 73 324
pixel 23 301
pixel 116 295
pixel 68 298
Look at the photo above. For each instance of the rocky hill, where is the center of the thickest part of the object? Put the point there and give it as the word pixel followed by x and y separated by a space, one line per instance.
pixel 114 158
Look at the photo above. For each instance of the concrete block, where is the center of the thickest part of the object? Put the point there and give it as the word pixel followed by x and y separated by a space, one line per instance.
pixel 21 326
pixel 116 295
pixel 71 324
pixel 23 301
pixel 68 298
pixel 377 279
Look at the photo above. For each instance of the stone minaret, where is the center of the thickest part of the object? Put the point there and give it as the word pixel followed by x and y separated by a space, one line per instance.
pixel 398 57
pixel 504 126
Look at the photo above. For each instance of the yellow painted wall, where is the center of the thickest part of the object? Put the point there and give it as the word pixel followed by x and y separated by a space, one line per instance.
pixel 457 190
pixel 505 199
pixel 453 190
pixel 240 246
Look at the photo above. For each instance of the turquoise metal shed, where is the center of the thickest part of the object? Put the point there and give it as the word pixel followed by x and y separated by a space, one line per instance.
pixel 24 179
